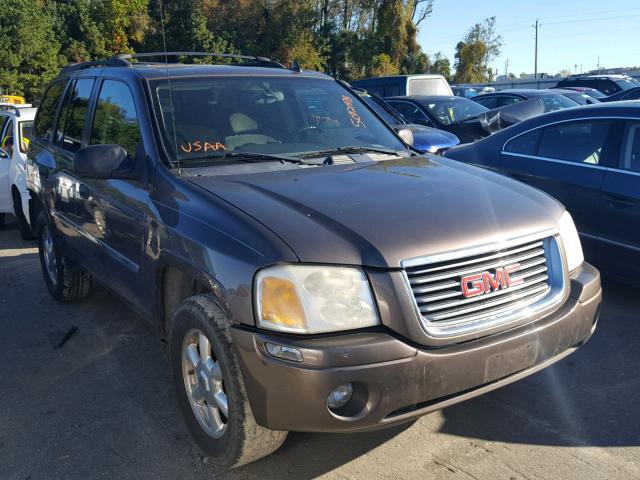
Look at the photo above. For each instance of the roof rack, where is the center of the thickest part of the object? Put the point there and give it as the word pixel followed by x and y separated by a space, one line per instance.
pixel 262 61
pixel 14 108
pixel 123 60
pixel 109 62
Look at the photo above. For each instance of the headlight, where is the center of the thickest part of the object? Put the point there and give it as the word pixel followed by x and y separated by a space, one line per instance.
pixel 571 242
pixel 314 299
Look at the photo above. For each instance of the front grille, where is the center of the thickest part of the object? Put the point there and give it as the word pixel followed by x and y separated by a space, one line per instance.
pixel 437 283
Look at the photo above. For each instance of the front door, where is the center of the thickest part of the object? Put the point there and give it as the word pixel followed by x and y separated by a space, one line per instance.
pixel 112 211
pixel 621 199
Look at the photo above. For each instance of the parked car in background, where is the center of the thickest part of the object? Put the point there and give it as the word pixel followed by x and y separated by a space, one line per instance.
pixel 466 92
pixel 424 84
pixel 16 122
pixel 630 94
pixel 441 112
pixel 607 84
pixel 552 101
pixel 425 139
pixel 308 271
pixel 589 159
pixel 578 97
pixel 466 119
pixel 592 92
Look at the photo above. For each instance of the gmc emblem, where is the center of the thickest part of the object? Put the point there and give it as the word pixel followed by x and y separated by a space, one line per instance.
pixel 486 282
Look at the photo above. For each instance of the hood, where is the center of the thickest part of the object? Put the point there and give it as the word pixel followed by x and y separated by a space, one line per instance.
pixel 380 213
pixel 430 140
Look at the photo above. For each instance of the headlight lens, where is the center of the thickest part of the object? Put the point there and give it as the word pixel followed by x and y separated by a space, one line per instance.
pixel 571 242
pixel 314 299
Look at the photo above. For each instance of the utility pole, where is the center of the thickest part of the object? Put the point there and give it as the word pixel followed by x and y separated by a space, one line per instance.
pixel 535 70
pixel 506 69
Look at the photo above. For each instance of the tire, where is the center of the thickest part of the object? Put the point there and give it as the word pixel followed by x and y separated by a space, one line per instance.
pixel 23 225
pixel 65 281
pixel 240 440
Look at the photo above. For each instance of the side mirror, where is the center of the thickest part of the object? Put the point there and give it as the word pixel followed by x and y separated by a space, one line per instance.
pixel 406 135
pixel 104 161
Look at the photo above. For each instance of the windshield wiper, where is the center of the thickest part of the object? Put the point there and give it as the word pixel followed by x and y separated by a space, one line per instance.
pixel 348 150
pixel 252 157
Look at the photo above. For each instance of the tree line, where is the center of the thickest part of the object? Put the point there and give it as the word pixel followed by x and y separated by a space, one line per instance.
pixel 349 39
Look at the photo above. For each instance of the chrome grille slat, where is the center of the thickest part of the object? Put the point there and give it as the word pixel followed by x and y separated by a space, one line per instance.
pixel 437 284
pixel 433 288
pixel 480 268
pixel 496 302
pixel 477 260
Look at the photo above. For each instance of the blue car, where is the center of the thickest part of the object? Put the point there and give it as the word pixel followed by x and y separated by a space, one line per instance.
pixel 425 139
pixel 588 158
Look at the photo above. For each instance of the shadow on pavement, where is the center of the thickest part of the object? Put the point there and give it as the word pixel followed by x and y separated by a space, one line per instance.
pixel 587 399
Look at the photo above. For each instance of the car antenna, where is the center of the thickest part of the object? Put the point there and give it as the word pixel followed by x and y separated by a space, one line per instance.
pixel 166 62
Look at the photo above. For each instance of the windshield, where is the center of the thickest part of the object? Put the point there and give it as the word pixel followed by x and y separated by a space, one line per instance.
pixel 592 92
pixel 556 102
pixel 626 84
pixel 386 115
pixel 265 115
pixel 453 110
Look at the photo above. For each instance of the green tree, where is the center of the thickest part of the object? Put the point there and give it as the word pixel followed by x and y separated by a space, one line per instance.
pixel 382 65
pixel 480 45
pixel 441 65
pixel 29 51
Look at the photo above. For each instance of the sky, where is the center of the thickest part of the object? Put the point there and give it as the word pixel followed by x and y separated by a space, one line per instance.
pixel 572 33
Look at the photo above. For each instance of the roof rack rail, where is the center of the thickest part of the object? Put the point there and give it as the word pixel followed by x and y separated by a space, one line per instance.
pixel 263 61
pixel 109 62
pixel 14 108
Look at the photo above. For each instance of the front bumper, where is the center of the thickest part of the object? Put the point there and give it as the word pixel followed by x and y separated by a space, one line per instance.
pixel 396 381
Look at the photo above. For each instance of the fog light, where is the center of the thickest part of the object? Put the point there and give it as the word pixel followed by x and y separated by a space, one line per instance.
pixel 340 396
pixel 286 353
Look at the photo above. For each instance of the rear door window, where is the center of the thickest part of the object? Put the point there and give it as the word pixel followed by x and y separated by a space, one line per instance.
pixel 580 142
pixel 410 112
pixel 47 111
pixel 72 116
pixel 116 120
pixel 526 144
pixel 489 102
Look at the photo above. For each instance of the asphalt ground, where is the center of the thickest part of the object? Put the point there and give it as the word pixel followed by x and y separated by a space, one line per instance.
pixel 85 393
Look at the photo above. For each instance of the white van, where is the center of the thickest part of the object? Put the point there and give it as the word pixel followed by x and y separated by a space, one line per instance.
pixel 403 85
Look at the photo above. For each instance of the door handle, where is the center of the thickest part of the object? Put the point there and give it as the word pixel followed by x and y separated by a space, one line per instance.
pixel 83 191
pixel 619 202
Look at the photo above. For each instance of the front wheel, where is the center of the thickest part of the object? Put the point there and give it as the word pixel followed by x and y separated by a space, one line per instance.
pixel 65 281
pixel 210 387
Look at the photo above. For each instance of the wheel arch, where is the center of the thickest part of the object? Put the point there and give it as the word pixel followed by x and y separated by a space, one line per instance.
pixel 178 279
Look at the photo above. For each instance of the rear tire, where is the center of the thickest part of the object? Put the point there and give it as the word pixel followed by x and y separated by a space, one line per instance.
pixel 209 383
pixel 23 226
pixel 65 281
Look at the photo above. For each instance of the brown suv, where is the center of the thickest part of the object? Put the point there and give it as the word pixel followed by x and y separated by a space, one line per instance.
pixel 308 269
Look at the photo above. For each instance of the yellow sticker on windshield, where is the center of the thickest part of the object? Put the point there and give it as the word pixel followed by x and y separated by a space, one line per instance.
pixel 353 114
pixel 200 146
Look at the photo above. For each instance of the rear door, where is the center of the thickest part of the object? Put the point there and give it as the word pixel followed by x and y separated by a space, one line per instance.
pixel 621 197
pixel 567 160
pixel 6 137
pixel 67 140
